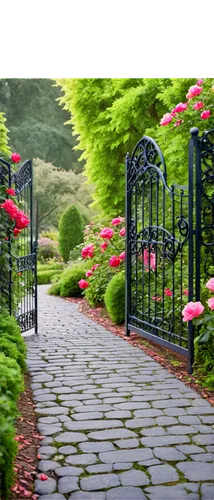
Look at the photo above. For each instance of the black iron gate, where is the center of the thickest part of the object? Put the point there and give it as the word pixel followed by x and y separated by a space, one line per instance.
pixel 168 230
pixel 20 284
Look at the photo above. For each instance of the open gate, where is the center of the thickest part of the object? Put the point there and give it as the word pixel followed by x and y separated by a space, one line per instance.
pixel 22 251
pixel 169 241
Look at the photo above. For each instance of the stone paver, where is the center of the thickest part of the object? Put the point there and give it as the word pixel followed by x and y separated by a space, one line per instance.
pixel 116 425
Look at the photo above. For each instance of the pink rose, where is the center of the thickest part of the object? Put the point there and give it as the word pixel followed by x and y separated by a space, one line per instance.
pixel 180 107
pixel 95 267
pixel 168 292
pixel 107 233
pixel 200 82
pixel 15 157
pixel 117 221
pixel 89 273
pixel 167 118
pixel 88 251
pixel 205 114
pixel 122 256
pixel 156 298
pixel 123 231
pixel 114 261
pixel 210 284
pixel 185 292
pixel 192 310
pixel 149 260
pixel 83 284
pixel 104 246
pixel 198 105
pixel 11 192
pixel 178 123
pixel 193 91
pixel 211 303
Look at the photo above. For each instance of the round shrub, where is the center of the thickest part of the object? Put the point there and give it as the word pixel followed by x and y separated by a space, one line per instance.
pixel 71 226
pixel 49 266
pixel 44 277
pixel 115 298
pixel 11 379
pixel 69 281
pixel 10 350
pixel 54 289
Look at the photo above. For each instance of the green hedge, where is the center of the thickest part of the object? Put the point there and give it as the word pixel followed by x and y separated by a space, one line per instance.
pixel 115 298
pixel 48 267
pixel 12 364
pixel 71 227
pixel 44 277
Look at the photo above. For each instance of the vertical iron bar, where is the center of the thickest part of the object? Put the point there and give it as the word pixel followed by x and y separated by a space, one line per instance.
pixel 35 268
pixel 128 249
pixel 198 221
pixel 194 134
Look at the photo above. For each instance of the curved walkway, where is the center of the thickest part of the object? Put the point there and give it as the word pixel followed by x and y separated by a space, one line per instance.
pixel 117 425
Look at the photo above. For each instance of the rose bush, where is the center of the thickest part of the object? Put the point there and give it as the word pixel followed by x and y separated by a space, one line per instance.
pixel 103 249
pixel 204 341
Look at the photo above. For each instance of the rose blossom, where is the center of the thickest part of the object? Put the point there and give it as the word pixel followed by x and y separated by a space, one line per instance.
pixel 107 233
pixel 205 114
pixel 149 260
pixel 104 246
pixel 117 221
pixel 192 310
pixel 211 303
pixel 198 105
pixel 180 107
pixel 88 251
pixel 122 256
pixel 200 81
pixel 185 292
pixel 168 292
pixel 21 219
pixel 95 267
pixel 193 91
pixel 89 273
pixel 83 284
pixel 16 231
pixel 157 299
pixel 10 208
pixel 11 192
pixel 114 261
pixel 15 157
pixel 178 123
pixel 210 284
pixel 167 118
pixel 123 231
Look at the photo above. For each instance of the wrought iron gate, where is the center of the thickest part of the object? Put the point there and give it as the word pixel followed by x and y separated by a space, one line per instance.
pixel 169 230
pixel 22 253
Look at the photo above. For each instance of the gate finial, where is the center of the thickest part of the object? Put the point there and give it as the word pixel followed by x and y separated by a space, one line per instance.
pixel 194 131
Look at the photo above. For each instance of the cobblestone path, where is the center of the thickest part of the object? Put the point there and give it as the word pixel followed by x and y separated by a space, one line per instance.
pixel 117 425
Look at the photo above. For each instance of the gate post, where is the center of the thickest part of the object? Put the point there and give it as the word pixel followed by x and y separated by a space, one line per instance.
pixel 193 250
pixel 127 254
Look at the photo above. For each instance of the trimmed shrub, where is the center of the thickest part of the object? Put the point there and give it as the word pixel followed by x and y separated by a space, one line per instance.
pixel 48 267
pixel 10 350
pixel 8 448
pixel 10 331
pixel 11 379
pixel 69 281
pixel 54 289
pixel 44 277
pixel 115 298
pixel 71 226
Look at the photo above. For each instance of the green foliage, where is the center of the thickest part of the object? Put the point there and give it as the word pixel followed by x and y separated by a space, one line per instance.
pixel 98 283
pixel 47 250
pixel 115 298
pixel 49 266
pixel 44 277
pixel 9 330
pixel 4 149
pixel 9 349
pixel 55 189
pixel 172 140
pixel 69 281
pixel 109 116
pixel 36 122
pixel 204 348
pixel 54 289
pixel 8 448
pixel 70 231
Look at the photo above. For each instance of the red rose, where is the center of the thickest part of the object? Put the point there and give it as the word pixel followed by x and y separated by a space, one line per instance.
pixel 83 284
pixel 168 292
pixel 22 220
pixel 114 261
pixel 10 208
pixel 95 267
pixel 15 157
pixel 107 233
pixel 10 191
pixel 88 273
pixel 205 114
pixel 198 105
pixel 117 221
pixel 185 292
pixel 156 298
pixel 16 231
